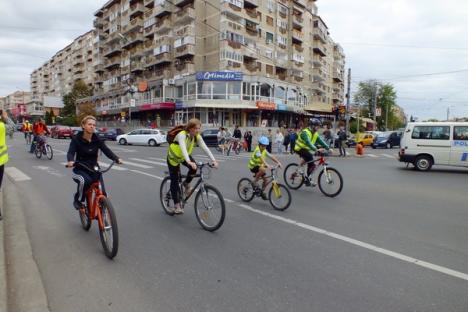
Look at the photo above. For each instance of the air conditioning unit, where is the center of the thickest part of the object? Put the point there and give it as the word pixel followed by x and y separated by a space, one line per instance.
pixel 171 81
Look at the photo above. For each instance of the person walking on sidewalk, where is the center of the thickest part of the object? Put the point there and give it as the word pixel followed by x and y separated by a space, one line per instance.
pixel 286 140
pixel 270 140
pixel 279 138
pixel 292 140
pixel 248 140
pixel 342 137
pixel 6 125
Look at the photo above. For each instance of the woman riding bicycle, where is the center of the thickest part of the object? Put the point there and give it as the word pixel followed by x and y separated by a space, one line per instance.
pixel 85 145
pixel 180 152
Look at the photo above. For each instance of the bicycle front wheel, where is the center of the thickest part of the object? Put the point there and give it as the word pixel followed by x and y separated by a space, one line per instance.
pixel 165 196
pixel 279 196
pixel 245 189
pixel 38 152
pixel 49 151
pixel 330 182
pixel 84 218
pixel 292 177
pixel 210 209
pixel 109 233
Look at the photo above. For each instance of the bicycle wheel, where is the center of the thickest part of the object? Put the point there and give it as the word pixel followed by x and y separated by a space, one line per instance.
pixel 84 218
pixel 38 152
pixel 331 182
pixel 165 196
pixel 238 149
pixel 245 189
pixel 229 150
pixel 210 209
pixel 49 151
pixel 292 177
pixel 109 234
pixel 279 196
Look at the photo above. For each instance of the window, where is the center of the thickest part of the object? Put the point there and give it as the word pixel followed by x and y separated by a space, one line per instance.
pixel 269 37
pixel 431 133
pixel 204 89
pixel 232 37
pixel 269 69
pixel 269 20
pixel 282 40
pixel 234 90
pixel 460 133
pixel 237 3
pixel 182 41
pixel 219 90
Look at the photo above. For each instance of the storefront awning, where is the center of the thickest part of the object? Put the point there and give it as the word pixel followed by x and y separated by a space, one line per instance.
pixel 154 106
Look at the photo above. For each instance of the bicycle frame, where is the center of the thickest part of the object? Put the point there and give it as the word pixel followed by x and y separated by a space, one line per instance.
pixel 93 196
pixel 272 179
pixel 200 181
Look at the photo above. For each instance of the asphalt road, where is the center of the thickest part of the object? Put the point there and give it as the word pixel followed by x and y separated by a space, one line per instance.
pixel 356 252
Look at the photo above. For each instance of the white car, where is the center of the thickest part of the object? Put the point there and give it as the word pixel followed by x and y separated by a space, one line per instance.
pixel 151 137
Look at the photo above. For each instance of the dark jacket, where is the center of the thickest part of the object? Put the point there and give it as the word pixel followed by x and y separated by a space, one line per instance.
pixel 87 152
pixel 237 134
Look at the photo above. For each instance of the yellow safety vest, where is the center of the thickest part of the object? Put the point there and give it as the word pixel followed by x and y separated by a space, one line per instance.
pixel 3 146
pixel 256 161
pixel 174 152
pixel 301 144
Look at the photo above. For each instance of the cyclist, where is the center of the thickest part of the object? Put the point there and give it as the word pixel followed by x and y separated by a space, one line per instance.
pixel 180 152
pixel 306 143
pixel 27 130
pixel 85 145
pixel 258 165
pixel 39 130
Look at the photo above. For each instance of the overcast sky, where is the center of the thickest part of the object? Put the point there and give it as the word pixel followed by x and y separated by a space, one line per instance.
pixel 398 41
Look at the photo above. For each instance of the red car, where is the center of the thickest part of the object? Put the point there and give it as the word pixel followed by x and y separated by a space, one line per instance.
pixel 61 132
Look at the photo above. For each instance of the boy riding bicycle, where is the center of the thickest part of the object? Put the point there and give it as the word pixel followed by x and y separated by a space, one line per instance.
pixel 258 165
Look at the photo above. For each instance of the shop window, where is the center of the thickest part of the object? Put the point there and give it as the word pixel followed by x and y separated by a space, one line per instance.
pixel 191 90
pixel 234 90
pixel 219 90
pixel 204 90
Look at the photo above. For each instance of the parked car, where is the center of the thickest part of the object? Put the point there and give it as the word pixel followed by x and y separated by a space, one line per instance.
pixel 112 134
pixel 75 130
pixel 365 138
pixel 151 137
pixel 101 133
pixel 210 136
pixel 61 132
pixel 387 140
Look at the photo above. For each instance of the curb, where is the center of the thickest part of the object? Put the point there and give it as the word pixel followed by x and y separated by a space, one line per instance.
pixel 3 271
pixel 25 289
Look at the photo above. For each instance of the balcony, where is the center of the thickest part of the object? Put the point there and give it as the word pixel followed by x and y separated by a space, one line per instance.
pixel 159 74
pixel 319 35
pixel 148 3
pixel 184 51
pixel 148 32
pixel 137 67
pixel 319 49
pixel 251 4
pixel 185 31
pixel 182 3
pixel 251 66
pixel 98 23
pixel 134 25
pixel 337 96
pixel 298 21
pixel 249 53
pixel 318 74
pixel 252 13
pixel 112 50
pixel 163 9
pixel 319 88
pixel 113 38
pixel 137 10
pixel 297 36
pixel 298 48
pixel 185 69
pixel 251 28
pixel 234 44
pixel 112 64
pixel 184 16
pixel 99 68
pixel 162 26
pixel 148 14
pixel 301 3
pixel 132 40
pixel 338 76
pixel 163 58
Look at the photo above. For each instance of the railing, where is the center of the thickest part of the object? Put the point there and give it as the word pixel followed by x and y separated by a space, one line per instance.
pixel 186 49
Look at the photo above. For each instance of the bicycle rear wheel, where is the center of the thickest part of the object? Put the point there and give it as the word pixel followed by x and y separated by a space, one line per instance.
pixel 245 190
pixel 330 182
pixel 109 233
pixel 210 209
pixel 279 196
pixel 84 218
pixel 292 177
pixel 49 151
pixel 165 196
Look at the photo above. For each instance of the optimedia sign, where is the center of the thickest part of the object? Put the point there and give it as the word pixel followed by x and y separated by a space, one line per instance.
pixel 220 76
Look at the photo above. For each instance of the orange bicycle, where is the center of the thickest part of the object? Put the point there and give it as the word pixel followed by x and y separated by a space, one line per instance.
pixel 98 207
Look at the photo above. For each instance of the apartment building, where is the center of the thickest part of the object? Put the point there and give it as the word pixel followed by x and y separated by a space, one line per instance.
pixel 56 77
pixel 246 62
pixel 15 104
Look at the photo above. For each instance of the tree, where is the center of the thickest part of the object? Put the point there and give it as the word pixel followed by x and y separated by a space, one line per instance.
pixel 386 101
pixel 86 109
pixel 80 90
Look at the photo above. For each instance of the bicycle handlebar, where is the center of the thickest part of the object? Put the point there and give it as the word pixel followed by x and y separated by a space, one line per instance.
pixel 96 168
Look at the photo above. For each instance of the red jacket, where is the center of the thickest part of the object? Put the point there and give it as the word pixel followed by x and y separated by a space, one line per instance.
pixel 40 128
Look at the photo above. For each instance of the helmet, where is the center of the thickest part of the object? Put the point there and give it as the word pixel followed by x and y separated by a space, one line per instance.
pixel 313 122
pixel 263 140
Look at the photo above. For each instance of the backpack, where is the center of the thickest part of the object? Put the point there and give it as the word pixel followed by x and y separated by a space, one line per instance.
pixel 342 135
pixel 173 133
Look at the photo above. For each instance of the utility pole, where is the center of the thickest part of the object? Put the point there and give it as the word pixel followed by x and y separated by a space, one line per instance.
pixel 375 104
pixel 448 113
pixel 386 117
pixel 348 97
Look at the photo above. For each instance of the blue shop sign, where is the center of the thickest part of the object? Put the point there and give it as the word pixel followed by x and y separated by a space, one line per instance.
pixel 281 107
pixel 220 76
pixel 179 104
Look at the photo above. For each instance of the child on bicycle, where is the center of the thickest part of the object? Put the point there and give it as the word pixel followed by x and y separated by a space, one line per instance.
pixel 258 165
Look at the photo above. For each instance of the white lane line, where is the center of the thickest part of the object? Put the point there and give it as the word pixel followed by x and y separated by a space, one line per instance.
pixel 227 200
pixel 150 162
pixel 16 174
pixel 126 162
pixel 157 158
pixel 356 242
pixel 124 150
pixel 371 155
pixel 147 174
pixel 58 152
pixel 389 156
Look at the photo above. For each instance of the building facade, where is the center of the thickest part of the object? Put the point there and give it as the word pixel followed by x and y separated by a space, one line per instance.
pixel 54 79
pixel 16 104
pixel 227 62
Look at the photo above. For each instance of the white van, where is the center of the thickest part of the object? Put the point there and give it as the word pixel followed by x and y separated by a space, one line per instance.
pixel 435 143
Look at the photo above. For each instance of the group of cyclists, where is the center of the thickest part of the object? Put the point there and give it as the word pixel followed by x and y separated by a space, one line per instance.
pixel 34 134
pixel 85 146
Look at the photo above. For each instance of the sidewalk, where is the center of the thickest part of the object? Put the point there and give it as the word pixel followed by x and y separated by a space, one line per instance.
pixel 21 288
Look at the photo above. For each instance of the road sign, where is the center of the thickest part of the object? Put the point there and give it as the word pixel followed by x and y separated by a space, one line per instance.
pixel 132 102
pixel 378 112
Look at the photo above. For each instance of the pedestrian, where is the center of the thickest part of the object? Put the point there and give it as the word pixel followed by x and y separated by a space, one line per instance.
pixel 237 133
pixel 286 140
pixel 270 138
pixel 221 139
pixel 292 140
pixel 279 138
pixel 327 135
pixel 249 141
pixel 342 137
pixel 6 125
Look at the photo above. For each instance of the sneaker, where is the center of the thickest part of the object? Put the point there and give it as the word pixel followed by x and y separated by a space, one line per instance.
pixel 264 196
pixel 178 210
pixel 77 204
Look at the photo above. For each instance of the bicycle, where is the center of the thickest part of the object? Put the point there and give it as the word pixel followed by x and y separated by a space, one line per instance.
pixel 99 207
pixel 209 215
pixel 247 190
pixel 295 176
pixel 235 145
pixel 43 148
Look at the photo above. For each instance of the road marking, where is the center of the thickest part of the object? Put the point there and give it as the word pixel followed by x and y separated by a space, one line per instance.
pixel 126 162
pixel 149 162
pixel 372 155
pixel 16 174
pixel 49 170
pixel 124 150
pixel 147 174
pixel 389 156
pixel 227 200
pixel 356 242
pixel 58 152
